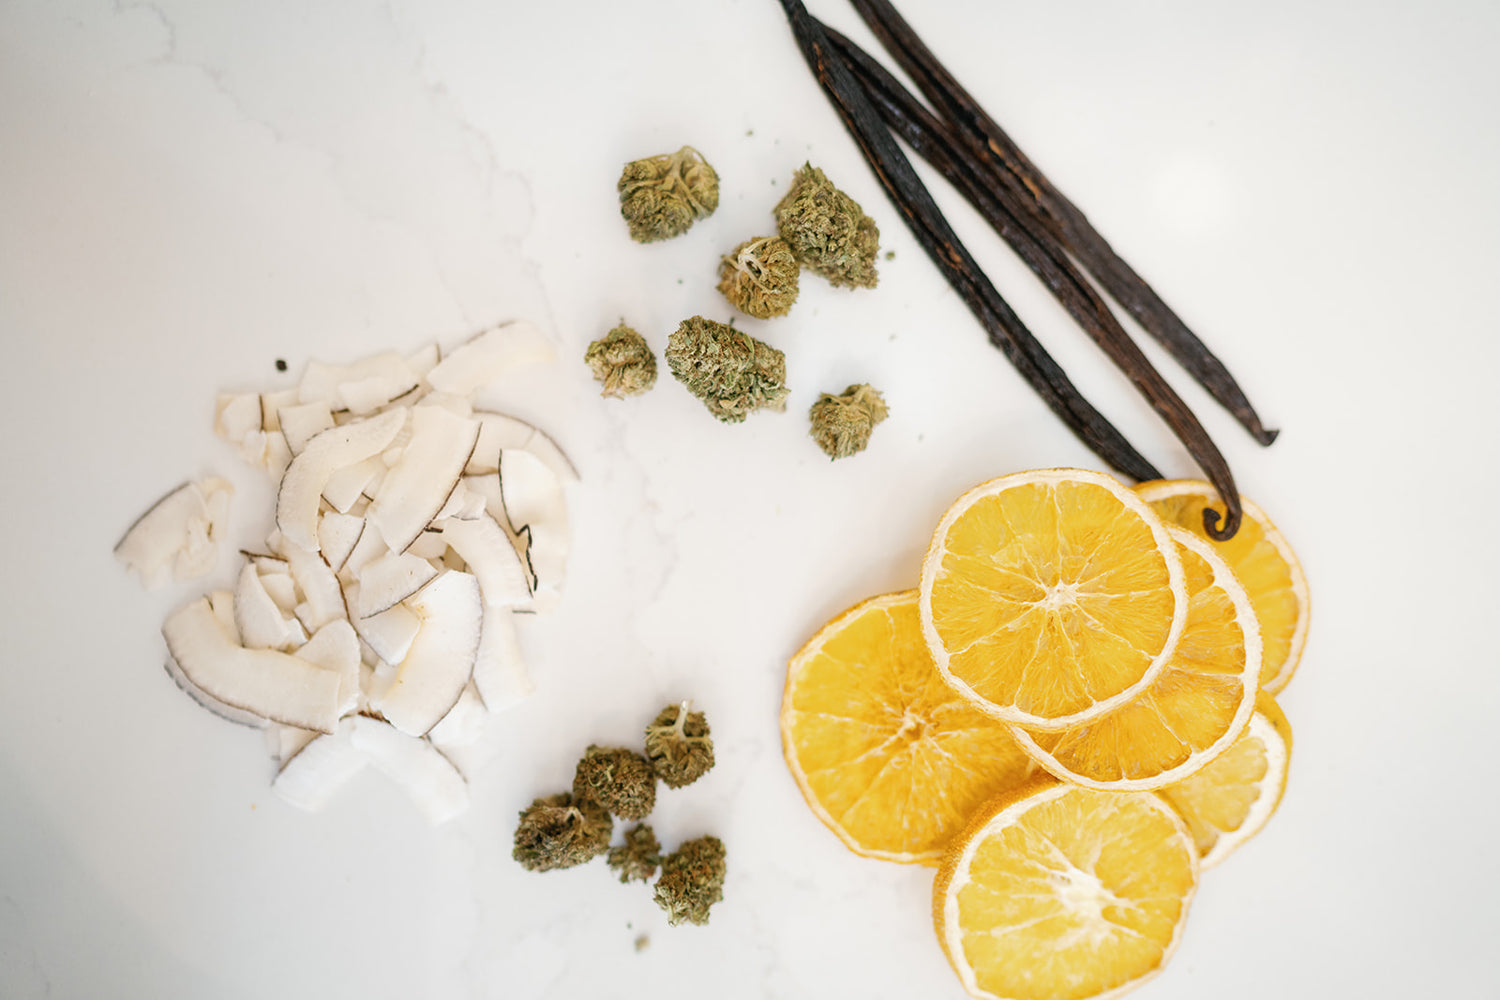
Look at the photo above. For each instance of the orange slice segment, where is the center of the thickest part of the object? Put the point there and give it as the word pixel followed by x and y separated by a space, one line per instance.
pixel 1197 706
pixel 1263 560
pixel 1062 892
pixel 1231 799
pixel 888 756
pixel 1051 597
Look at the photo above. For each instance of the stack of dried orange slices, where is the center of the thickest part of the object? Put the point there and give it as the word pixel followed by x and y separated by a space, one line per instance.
pixel 1070 717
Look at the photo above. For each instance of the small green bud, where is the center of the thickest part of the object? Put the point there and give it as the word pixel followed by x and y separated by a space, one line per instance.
pixel 760 277
pixel 560 832
pixel 662 196
pixel 678 745
pixel 730 371
pixel 636 859
pixel 692 880
pixel 620 780
pixel 841 424
pixel 622 362
pixel 828 231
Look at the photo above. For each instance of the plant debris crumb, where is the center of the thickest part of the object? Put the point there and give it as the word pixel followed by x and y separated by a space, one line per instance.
pixel 622 362
pixel 828 231
pixel 760 277
pixel 662 196
pixel 731 372
pixel 692 881
pixel 841 424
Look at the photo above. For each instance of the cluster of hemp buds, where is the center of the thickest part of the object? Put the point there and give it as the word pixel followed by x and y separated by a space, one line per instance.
pixel 730 371
pixel 571 828
pixel 662 196
pixel 841 424
pixel 622 362
pixel 827 230
pixel 760 277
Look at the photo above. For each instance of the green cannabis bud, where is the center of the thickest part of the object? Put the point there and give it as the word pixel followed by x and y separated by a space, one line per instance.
pixel 678 745
pixel 760 277
pixel 637 858
pixel 692 880
pixel 841 424
pixel 620 780
pixel 730 371
pixel 560 831
pixel 622 362
pixel 828 231
pixel 662 196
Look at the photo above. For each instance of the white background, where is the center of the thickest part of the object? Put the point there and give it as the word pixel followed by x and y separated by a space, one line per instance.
pixel 189 191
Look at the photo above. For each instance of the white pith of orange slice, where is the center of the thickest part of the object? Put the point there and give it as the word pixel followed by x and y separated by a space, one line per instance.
pixel 1058 892
pixel 1263 560
pixel 1195 708
pixel 888 756
pixel 1051 597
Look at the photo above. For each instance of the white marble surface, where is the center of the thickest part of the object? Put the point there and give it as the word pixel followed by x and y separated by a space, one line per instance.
pixel 191 190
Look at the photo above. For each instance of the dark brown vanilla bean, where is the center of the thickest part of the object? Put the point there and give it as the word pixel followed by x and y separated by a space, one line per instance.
pixel 934 142
pixel 921 214
pixel 1015 170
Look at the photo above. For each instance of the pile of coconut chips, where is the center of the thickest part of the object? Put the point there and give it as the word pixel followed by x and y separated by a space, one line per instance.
pixel 375 627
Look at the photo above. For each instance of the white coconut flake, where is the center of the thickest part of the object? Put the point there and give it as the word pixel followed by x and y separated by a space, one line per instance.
pixel 177 538
pixel 389 580
pixel 313 772
pixel 337 535
pixel 390 633
pixel 500 673
pixel 257 618
pixel 306 477
pixel 416 488
pixel 418 767
pixel 487 550
pixel 236 415
pixel 300 422
pixel 488 356
pixel 440 661
pixel 499 432
pixel 275 686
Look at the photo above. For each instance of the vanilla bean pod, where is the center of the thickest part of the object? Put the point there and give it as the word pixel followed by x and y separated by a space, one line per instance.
pixel 912 200
pixel 1012 168
pixel 1048 260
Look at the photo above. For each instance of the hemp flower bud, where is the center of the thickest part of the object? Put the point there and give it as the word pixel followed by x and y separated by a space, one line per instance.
pixel 622 362
pixel 760 277
pixel 620 780
pixel 841 424
pixel 637 858
pixel 692 880
pixel 678 745
pixel 828 231
pixel 662 196
pixel 559 832
pixel 730 371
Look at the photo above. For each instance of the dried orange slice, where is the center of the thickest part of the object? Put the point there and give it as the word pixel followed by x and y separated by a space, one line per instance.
pixel 1228 802
pixel 1051 597
pixel 1197 706
pixel 888 756
pixel 1263 560
pixel 1063 892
